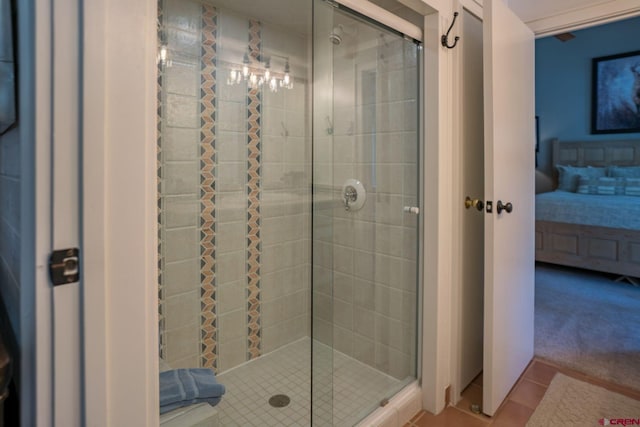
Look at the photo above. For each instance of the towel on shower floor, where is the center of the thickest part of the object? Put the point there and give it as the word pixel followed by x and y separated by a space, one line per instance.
pixel 183 387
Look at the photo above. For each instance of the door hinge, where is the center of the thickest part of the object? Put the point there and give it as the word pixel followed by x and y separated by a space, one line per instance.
pixel 64 266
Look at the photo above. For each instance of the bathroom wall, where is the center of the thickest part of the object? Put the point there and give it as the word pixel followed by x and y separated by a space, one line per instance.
pixel 234 190
pixel 365 261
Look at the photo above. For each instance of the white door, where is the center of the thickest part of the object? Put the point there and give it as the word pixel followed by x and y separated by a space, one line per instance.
pixel 509 101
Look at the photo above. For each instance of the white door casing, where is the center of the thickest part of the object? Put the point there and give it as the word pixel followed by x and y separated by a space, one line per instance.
pixel 509 101
pixel 65 220
pixel 119 196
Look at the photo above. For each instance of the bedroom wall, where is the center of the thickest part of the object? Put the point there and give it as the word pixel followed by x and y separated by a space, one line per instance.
pixel 10 226
pixel 563 83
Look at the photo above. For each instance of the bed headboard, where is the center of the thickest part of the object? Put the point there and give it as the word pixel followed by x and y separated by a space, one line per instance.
pixel 596 153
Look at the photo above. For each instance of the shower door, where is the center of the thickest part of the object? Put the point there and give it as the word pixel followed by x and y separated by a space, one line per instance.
pixel 366 212
pixel 260 278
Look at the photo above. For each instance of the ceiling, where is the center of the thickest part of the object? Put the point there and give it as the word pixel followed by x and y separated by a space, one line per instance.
pixel 532 10
pixel 545 17
pixel 549 17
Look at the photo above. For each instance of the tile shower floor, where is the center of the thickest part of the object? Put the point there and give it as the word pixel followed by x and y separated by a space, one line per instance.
pixel 356 387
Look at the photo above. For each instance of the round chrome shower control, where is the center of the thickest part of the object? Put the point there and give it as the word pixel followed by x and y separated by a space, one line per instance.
pixel 353 195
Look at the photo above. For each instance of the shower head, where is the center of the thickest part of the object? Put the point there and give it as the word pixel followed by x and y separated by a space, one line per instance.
pixel 336 35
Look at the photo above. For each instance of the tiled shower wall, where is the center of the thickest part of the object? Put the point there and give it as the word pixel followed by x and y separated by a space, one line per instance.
pixel 233 195
pixel 365 270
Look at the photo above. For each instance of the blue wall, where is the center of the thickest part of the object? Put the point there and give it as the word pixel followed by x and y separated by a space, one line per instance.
pixel 563 82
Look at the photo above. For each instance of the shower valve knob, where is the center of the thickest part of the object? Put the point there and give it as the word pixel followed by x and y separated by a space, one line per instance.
pixel 353 195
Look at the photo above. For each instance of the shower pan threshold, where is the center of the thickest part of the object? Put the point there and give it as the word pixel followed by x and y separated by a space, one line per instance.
pixel 286 371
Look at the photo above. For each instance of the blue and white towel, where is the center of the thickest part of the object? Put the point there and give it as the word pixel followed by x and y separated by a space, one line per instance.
pixel 183 387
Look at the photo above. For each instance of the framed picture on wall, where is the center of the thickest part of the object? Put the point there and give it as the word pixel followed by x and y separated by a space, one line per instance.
pixel 616 93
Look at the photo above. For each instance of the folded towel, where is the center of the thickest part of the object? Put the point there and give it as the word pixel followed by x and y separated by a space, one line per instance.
pixel 183 387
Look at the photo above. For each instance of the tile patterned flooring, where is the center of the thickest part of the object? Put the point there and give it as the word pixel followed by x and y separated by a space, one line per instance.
pixel 357 388
pixel 519 405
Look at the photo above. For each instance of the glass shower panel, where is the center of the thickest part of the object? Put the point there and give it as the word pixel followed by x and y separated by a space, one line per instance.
pixel 366 161
pixel 234 169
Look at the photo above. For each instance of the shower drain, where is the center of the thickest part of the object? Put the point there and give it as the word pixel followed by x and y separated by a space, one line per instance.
pixel 279 400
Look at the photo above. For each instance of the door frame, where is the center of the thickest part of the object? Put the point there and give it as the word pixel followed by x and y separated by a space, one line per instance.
pixel 119 211
pixel 437 193
pixel 35 115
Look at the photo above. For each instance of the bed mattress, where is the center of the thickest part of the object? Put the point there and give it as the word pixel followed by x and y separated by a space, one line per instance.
pixel 589 209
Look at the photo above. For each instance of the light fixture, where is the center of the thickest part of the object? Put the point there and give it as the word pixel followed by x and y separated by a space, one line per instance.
pixel 287 82
pixel 235 77
pixel 163 55
pixel 267 69
pixel 258 72
pixel 245 66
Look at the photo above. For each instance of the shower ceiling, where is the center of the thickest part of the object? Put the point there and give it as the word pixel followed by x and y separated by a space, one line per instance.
pixel 292 15
pixel 296 16
pixel 397 8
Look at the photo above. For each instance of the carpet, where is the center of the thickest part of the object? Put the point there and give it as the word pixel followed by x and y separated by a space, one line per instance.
pixel 569 402
pixel 588 322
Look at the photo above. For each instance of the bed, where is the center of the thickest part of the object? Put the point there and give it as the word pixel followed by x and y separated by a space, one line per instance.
pixel 591 231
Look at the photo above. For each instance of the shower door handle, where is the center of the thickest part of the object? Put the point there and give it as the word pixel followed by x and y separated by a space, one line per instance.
pixel 412 209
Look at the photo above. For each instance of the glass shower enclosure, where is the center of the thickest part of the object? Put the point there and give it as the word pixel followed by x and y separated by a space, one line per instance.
pixel 288 207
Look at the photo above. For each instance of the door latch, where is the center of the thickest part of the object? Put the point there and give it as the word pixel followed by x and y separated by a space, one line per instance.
pixel 489 206
pixel 64 266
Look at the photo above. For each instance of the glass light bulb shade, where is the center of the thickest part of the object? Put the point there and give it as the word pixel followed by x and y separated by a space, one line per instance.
pixel 163 53
pixel 245 71
pixel 273 84
pixel 287 79
pixel 253 78
pixel 267 74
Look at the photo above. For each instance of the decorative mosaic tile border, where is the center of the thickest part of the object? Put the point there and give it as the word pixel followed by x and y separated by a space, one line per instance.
pixel 161 290
pixel 208 317
pixel 253 203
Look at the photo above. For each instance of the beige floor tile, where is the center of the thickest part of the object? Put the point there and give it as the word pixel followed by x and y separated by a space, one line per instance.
pixel 540 373
pixel 512 414
pixel 471 395
pixel 528 393
pixel 478 380
pixel 450 417
pixel 521 403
